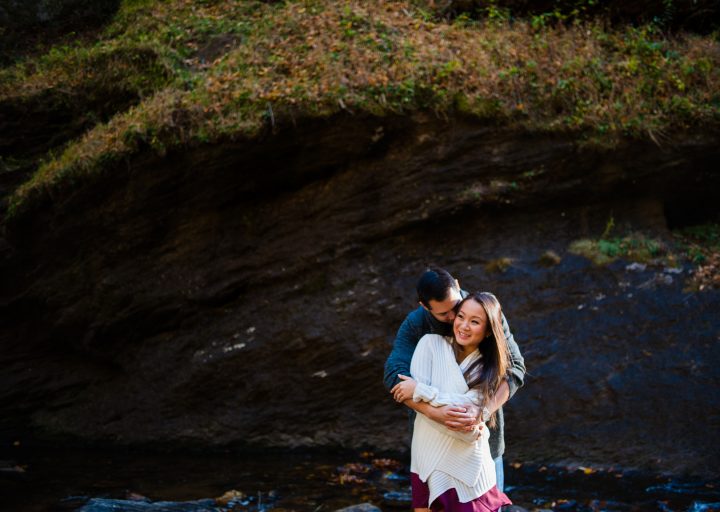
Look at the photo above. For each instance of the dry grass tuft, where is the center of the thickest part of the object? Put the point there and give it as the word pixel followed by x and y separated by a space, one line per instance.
pixel 498 266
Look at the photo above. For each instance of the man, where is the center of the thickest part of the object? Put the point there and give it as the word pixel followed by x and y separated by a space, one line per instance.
pixel 439 293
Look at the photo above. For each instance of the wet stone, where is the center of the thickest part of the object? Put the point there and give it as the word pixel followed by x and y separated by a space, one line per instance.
pixel 397 498
pixel 110 505
pixel 699 506
pixel 610 505
pixel 566 505
pixel 10 468
pixel 362 507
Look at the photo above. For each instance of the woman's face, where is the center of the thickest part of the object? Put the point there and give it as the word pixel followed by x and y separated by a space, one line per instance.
pixel 471 325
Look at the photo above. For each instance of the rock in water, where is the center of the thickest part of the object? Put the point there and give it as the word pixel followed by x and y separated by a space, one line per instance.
pixel 108 505
pixel 362 507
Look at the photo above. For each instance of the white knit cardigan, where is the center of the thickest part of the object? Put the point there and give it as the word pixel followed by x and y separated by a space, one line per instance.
pixel 441 457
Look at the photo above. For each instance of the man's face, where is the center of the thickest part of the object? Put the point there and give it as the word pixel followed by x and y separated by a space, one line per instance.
pixel 444 311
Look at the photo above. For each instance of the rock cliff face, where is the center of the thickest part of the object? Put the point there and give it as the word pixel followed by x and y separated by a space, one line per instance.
pixel 249 292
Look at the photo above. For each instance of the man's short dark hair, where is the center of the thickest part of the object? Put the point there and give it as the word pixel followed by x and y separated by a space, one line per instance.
pixel 435 284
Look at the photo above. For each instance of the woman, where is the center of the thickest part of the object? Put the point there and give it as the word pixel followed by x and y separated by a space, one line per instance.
pixel 454 471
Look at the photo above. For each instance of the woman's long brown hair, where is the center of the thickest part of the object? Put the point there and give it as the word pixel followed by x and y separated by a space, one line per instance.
pixel 488 373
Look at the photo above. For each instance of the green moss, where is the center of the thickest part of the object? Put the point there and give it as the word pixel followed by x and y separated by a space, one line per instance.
pixel 632 247
pixel 700 243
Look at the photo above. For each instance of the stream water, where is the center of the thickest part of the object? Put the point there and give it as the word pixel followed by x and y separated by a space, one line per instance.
pixel 64 479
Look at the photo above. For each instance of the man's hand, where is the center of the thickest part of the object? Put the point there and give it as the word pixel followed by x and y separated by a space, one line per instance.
pixel 404 389
pixel 454 417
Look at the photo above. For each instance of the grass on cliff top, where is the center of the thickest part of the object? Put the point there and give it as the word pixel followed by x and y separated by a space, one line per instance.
pixel 225 69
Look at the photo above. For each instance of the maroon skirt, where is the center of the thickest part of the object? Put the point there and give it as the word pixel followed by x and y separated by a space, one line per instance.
pixel 448 501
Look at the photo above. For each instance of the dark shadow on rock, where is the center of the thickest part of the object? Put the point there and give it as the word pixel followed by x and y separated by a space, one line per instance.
pixel 29 25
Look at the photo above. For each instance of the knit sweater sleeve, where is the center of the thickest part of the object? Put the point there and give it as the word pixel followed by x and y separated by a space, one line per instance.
pixel 421 369
pixel 437 398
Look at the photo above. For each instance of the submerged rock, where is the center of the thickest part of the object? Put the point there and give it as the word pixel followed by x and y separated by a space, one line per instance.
pixel 9 470
pixel 362 507
pixel 109 505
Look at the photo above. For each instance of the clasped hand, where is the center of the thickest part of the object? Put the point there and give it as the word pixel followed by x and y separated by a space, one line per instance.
pixel 454 417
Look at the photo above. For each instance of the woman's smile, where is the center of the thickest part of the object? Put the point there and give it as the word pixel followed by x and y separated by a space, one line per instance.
pixel 463 335
pixel 470 326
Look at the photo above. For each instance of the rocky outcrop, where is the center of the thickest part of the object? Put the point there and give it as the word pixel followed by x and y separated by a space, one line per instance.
pixel 249 292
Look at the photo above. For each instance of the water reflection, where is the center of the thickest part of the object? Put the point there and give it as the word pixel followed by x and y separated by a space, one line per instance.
pixel 313 481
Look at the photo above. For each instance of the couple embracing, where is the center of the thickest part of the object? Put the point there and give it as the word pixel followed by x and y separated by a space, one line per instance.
pixel 455 363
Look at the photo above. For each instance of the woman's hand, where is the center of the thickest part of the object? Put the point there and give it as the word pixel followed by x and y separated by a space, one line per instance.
pixel 465 420
pixel 403 390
